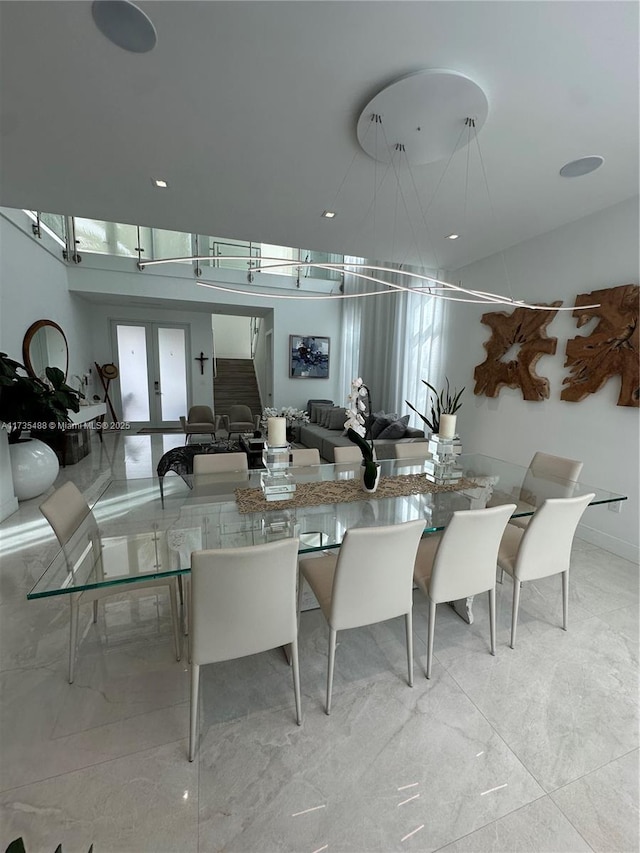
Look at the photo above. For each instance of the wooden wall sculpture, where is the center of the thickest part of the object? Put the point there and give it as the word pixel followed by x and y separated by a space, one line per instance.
pixel 610 350
pixel 527 328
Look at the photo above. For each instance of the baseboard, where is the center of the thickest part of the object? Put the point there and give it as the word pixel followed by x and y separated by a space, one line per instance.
pixel 616 546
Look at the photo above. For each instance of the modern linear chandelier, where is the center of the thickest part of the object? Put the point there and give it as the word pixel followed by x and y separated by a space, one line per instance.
pixel 454 108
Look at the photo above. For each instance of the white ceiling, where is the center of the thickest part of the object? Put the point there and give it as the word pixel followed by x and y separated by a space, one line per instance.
pixel 249 110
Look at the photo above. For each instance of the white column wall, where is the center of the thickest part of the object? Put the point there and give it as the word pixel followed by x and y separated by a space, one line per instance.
pixel 596 252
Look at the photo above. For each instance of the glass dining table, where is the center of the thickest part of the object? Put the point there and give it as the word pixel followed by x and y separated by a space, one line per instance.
pixel 143 537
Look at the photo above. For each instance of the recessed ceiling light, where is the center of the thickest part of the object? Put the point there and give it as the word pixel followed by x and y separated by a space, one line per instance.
pixel 452 236
pixel 328 214
pixel 124 24
pixel 159 182
pixel 583 166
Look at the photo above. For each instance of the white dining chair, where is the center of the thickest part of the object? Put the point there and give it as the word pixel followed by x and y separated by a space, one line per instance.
pixel 347 454
pixel 219 463
pixel 243 601
pixel 412 450
pixel 305 456
pixel 461 562
pixel 77 532
pixel 369 581
pixel 541 549
pixel 559 475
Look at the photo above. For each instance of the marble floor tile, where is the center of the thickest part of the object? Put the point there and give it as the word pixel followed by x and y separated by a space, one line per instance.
pixel 539 827
pixel 603 806
pixel 361 779
pixel 144 802
pixel 32 749
pixel 565 702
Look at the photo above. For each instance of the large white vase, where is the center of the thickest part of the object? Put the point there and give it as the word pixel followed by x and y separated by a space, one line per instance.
pixel 34 467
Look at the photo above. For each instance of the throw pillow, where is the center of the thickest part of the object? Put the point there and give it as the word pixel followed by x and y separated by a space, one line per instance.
pixel 316 402
pixel 317 412
pixel 336 418
pixel 325 414
pixel 396 429
pixel 381 422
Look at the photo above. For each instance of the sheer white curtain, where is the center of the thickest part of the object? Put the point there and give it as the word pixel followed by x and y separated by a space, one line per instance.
pixel 393 341
pixel 422 345
pixel 351 324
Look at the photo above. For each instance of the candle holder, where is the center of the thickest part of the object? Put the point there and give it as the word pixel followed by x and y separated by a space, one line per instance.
pixel 443 466
pixel 276 481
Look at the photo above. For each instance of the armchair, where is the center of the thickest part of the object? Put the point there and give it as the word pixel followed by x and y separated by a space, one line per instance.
pixel 240 419
pixel 199 421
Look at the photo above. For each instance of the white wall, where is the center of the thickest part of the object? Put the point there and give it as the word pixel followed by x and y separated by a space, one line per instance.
pixel 596 252
pixel 232 336
pixel 33 286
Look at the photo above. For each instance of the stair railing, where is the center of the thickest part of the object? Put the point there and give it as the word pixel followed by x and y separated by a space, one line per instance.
pixel 254 332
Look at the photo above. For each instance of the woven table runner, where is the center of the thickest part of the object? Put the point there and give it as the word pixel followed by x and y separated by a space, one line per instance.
pixel 344 491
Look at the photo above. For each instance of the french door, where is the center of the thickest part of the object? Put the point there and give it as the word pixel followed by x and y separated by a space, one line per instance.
pixel 152 360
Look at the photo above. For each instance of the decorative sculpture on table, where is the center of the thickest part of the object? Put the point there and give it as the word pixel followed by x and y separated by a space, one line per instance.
pixel 358 432
pixel 611 349
pixel 527 330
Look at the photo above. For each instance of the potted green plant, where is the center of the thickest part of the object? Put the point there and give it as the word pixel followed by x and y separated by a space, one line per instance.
pixel 28 403
pixel 26 400
pixel 358 433
pixel 445 402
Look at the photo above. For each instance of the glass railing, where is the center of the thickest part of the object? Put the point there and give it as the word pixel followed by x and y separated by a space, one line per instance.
pixel 98 236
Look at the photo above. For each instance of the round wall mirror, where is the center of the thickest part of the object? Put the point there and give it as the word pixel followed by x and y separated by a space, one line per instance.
pixel 45 345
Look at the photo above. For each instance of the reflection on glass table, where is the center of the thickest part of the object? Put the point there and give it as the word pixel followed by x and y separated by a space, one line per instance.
pixel 155 540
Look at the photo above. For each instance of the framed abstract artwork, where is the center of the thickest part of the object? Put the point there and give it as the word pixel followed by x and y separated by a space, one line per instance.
pixel 308 357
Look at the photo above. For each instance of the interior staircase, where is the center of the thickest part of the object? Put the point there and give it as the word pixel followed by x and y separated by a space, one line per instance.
pixel 235 382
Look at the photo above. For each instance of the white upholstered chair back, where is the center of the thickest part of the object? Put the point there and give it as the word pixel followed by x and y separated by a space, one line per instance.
pixel 218 463
pixel 74 525
pixel 243 600
pixel 412 450
pixel 545 547
pixel 347 454
pixel 305 456
pixel 373 580
pixel 562 473
pixel 465 562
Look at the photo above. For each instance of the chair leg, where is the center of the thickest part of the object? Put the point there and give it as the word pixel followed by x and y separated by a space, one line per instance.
pixel 95 611
pixel 300 591
pixel 193 716
pixel 73 635
pixel 492 618
pixel 565 600
pixel 185 582
pixel 175 621
pixel 430 635
pixel 501 575
pixel 296 680
pixel 408 626
pixel 514 610
pixel 330 665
